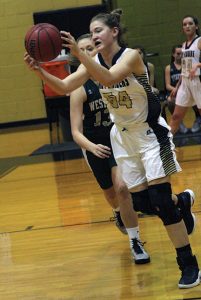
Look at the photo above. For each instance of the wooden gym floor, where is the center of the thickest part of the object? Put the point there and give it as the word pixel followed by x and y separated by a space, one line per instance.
pixel 57 241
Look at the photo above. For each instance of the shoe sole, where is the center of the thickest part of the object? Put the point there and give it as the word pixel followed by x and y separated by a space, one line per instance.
pixel 195 131
pixel 192 196
pixel 142 261
pixel 196 283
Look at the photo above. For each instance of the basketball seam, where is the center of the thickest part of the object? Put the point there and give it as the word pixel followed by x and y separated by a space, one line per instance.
pixel 39 44
pixel 43 27
pixel 54 50
pixel 31 32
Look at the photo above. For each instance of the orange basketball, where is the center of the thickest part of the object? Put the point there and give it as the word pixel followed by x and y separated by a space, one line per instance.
pixel 43 42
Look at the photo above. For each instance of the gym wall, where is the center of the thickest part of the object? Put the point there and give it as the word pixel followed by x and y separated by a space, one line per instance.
pixel 157 26
pixel 21 96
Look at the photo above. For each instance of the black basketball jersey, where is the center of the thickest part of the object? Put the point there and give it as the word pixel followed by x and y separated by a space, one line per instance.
pixel 174 74
pixel 97 122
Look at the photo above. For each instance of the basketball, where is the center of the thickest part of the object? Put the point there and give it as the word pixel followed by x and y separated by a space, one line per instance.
pixel 43 42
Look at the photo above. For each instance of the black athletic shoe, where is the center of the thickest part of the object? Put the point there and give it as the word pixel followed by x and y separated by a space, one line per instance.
pixel 190 274
pixel 118 221
pixel 185 202
pixel 139 254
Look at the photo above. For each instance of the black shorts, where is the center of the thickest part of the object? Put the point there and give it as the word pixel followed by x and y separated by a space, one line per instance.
pixel 101 168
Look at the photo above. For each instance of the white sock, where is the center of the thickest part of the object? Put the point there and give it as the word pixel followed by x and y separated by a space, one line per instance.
pixel 133 233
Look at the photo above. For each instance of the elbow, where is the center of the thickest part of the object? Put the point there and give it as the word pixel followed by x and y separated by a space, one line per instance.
pixel 75 136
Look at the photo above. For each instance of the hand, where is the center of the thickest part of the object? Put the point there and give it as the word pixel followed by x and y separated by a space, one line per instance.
pixel 70 42
pixel 170 99
pixel 173 93
pixel 31 62
pixel 193 71
pixel 101 151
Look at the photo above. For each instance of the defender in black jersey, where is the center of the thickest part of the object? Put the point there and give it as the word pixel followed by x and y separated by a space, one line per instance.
pixel 96 127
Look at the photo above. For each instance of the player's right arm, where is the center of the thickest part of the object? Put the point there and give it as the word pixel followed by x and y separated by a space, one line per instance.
pixel 77 98
pixel 168 85
pixel 60 86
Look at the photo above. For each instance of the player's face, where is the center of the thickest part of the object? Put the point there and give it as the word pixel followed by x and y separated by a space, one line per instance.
pixel 102 35
pixel 177 54
pixel 189 27
pixel 87 46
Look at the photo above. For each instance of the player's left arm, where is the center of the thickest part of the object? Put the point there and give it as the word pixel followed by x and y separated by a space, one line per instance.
pixel 197 65
pixel 77 99
pixel 130 63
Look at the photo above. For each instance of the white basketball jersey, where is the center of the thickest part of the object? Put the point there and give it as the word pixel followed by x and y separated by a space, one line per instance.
pixel 129 101
pixel 190 56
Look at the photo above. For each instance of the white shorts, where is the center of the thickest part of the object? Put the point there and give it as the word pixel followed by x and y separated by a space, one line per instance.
pixel 189 92
pixel 144 153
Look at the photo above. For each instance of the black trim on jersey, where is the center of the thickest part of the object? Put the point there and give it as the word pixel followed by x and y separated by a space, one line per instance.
pixel 154 106
pixel 166 153
pixel 187 47
pixel 117 55
pixel 114 59
pixel 161 132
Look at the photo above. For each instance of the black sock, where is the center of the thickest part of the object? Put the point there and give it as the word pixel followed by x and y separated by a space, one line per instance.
pixel 196 111
pixel 184 251
pixel 179 198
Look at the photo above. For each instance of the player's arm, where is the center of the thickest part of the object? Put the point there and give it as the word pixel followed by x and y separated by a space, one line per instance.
pixel 175 89
pixel 151 73
pixel 197 65
pixel 77 98
pixel 60 86
pixel 168 85
pixel 199 44
pixel 130 63
pixel 152 77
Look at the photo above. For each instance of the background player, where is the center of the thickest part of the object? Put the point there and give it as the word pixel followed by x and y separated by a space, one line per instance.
pixel 189 90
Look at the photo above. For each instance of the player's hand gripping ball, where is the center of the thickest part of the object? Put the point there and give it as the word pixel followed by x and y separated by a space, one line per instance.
pixel 43 42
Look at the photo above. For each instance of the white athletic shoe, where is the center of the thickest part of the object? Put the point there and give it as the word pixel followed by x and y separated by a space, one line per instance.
pixel 139 254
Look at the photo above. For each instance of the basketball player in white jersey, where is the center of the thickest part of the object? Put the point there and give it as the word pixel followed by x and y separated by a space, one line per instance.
pixel 141 139
pixel 92 133
pixel 189 88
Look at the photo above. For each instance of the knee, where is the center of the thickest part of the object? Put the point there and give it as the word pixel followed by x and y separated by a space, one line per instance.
pixel 121 189
pixel 141 202
pixel 161 202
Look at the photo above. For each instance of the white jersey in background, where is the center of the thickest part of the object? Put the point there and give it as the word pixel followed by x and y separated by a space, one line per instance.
pixel 189 92
pixel 190 56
